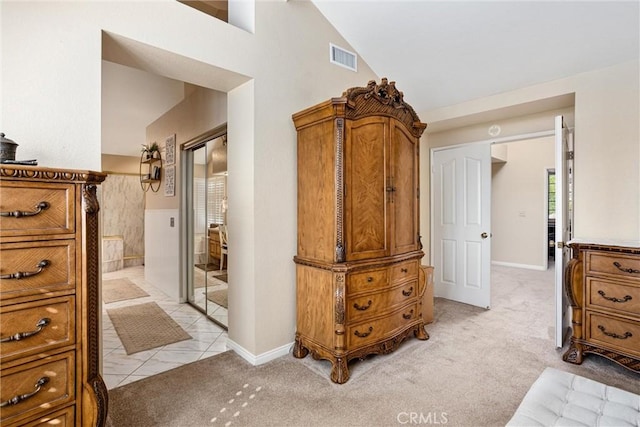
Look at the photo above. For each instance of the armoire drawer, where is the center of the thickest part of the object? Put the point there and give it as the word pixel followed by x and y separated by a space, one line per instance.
pixel 615 296
pixel 48 382
pixel 404 271
pixel 365 333
pixel 36 327
pixel 368 280
pixel 614 332
pixel 30 268
pixel 374 304
pixel 613 264
pixel 36 209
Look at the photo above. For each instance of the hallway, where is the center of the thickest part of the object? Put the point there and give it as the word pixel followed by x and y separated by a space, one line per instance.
pixel 120 368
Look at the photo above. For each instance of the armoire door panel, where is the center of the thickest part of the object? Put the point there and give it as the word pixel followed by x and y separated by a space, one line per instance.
pixel 404 189
pixel 366 179
pixel 316 193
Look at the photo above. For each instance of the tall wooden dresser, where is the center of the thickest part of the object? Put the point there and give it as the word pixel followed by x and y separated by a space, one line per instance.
pixel 359 250
pixel 49 298
pixel 603 286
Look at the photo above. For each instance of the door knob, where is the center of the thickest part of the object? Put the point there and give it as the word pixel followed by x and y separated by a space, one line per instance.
pixel 484 235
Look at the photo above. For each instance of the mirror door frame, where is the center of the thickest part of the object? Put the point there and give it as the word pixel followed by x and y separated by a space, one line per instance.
pixel 186 220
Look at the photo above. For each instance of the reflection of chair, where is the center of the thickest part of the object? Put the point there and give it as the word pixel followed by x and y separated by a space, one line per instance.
pixel 222 230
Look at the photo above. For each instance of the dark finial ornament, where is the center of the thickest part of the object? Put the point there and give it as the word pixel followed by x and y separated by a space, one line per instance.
pixel 91 205
pixel 362 100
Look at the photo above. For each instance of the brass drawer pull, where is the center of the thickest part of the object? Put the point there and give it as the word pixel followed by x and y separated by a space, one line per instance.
pixel 362 307
pixel 363 334
pixel 614 335
pixel 22 335
pixel 408 315
pixel 18 214
pixel 369 279
pixel 19 398
pixel 614 299
pixel 408 292
pixel 626 270
pixel 22 274
pixel 404 270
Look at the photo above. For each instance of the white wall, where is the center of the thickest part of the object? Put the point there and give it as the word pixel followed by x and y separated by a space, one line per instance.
pixel 518 202
pixel 241 188
pixel 607 147
pixel 118 131
pixel 51 99
pixel 161 250
pixel 202 110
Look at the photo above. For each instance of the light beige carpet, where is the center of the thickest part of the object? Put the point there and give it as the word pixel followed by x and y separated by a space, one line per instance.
pixel 473 372
pixel 219 297
pixel 145 326
pixel 120 289
pixel 200 280
pixel 208 267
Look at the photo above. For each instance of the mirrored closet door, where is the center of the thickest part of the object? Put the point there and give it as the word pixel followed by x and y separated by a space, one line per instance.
pixel 207 232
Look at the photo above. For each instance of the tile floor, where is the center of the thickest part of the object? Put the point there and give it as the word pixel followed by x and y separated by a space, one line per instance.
pixel 119 368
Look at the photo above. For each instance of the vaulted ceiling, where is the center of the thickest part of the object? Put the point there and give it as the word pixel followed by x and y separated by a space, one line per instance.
pixel 446 52
pixel 440 53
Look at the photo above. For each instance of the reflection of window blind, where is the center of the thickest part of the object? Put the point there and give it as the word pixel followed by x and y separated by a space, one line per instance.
pixel 212 201
pixel 216 185
pixel 199 203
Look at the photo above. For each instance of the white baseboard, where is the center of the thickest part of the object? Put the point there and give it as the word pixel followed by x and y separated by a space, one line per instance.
pixel 261 358
pixel 514 265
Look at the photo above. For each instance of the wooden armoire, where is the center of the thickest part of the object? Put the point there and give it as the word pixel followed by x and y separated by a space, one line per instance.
pixel 359 250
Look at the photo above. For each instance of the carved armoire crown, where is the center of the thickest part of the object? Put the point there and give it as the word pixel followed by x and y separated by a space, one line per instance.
pixel 359 249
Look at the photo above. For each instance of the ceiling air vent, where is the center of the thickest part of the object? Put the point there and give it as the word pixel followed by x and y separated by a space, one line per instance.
pixel 342 57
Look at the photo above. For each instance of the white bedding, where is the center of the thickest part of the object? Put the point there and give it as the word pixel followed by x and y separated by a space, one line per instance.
pixel 559 398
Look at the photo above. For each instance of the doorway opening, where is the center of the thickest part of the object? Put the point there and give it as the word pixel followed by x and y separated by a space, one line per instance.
pixel 521 214
pixel 175 77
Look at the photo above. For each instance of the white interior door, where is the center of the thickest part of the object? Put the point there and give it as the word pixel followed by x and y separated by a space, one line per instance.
pixel 461 219
pixel 564 187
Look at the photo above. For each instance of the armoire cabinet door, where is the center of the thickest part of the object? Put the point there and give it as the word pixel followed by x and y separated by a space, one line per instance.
pixel 366 176
pixel 403 206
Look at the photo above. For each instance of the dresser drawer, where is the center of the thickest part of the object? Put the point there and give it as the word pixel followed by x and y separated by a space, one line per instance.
pixel 63 418
pixel 618 333
pixel 616 296
pixel 374 304
pixel 49 266
pixel 36 208
pixel 366 333
pixel 43 325
pixel 404 271
pixel 55 373
pixel 613 264
pixel 367 280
